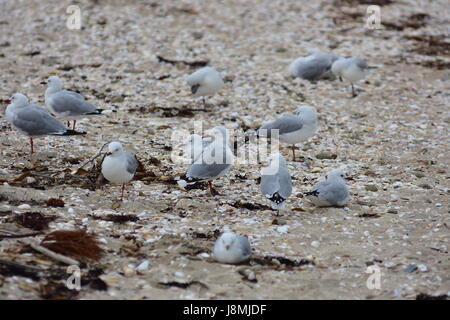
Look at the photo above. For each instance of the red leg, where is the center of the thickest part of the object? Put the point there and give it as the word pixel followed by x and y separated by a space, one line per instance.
pixel 213 191
pixel 123 189
pixel 293 151
pixel 31 145
pixel 74 123
pixel 68 124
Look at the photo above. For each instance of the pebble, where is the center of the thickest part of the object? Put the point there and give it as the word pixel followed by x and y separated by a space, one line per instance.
pixel 143 266
pixel 24 207
pixel 371 187
pixel 315 244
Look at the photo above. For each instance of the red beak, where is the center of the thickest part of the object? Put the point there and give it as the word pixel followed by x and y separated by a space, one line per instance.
pixel 43 82
pixel 108 153
pixel 7 100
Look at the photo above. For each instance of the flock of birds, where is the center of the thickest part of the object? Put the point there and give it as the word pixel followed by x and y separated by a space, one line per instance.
pixel 211 156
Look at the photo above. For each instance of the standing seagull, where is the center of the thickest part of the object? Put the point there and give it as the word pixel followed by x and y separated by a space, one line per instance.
pixel 214 162
pixel 205 82
pixel 330 192
pixel 33 121
pixel 351 69
pixel 232 248
pixel 69 105
pixel 315 66
pixel 195 145
pixel 119 165
pixel 293 128
pixel 276 183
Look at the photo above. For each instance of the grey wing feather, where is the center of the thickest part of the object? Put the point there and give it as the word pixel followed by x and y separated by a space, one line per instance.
pixel 333 193
pixel 35 121
pixel 270 184
pixel 132 162
pixel 206 171
pixel 285 183
pixel 286 124
pixel 63 102
pixel 246 249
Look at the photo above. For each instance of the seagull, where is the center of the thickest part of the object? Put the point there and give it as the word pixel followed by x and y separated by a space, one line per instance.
pixel 215 161
pixel 205 82
pixel 232 248
pixel 119 165
pixel 351 69
pixel 276 183
pixel 330 192
pixel 315 66
pixel 33 120
pixel 69 105
pixel 293 128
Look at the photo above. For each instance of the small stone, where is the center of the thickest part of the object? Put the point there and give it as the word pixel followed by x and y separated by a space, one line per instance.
pixel 425 186
pixel 411 268
pixel 143 266
pixel 422 268
pixel 438 205
pixel 419 174
pixel 326 155
pixel 393 211
pixel 117 99
pixel 24 207
pixel 5 208
pixel 315 244
pixel 128 272
pixel 371 187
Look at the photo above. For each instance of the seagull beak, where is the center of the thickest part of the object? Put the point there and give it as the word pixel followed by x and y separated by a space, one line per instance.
pixel 7 101
pixel 109 153
pixel 43 82
pixel 207 136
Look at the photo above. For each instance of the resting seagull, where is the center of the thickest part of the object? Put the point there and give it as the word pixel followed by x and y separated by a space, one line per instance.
pixel 293 128
pixel 69 105
pixel 350 69
pixel 205 82
pixel 330 192
pixel 232 248
pixel 119 165
pixel 34 121
pixel 276 183
pixel 315 66
pixel 215 161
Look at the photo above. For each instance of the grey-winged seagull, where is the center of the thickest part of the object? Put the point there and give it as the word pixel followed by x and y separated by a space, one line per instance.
pixel 276 183
pixel 330 192
pixel 350 69
pixel 119 165
pixel 232 248
pixel 293 128
pixel 68 105
pixel 205 82
pixel 34 121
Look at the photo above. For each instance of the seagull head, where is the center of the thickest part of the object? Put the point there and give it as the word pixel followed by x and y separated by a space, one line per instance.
pixel 277 159
pixel 228 239
pixel 336 174
pixel 306 111
pixel 17 100
pixel 114 148
pixel 54 82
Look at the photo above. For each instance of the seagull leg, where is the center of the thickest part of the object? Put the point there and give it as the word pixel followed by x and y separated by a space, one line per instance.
pixel 31 145
pixel 213 191
pixel 353 91
pixel 123 190
pixel 74 123
pixel 204 102
pixel 293 152
pixel 68 124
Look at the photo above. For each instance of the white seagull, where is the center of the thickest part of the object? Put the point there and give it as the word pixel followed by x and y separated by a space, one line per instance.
pixel 350 69
pixel 215 161
pixel 276 183
pixel 232 248
pixel 293 128
pixel 330 192
pixel 34 121
pixel 315 66
pixel 119 165
pixel 205 82
pixel 68 105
